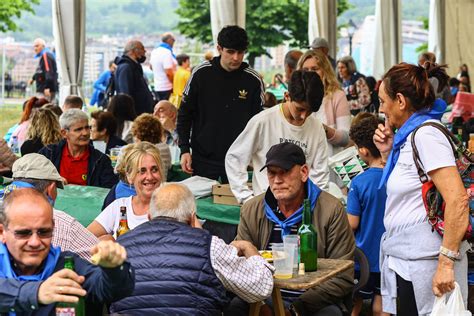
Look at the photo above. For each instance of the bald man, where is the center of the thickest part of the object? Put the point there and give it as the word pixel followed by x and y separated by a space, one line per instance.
pixel 129 77
pixel 181 268
pixel 32 277
pixel 46 74
pixel 291 59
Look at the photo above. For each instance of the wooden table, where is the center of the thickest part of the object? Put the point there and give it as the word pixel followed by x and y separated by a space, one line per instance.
pixel 327 268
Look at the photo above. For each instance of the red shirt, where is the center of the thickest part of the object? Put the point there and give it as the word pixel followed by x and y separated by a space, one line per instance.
pixel 74 169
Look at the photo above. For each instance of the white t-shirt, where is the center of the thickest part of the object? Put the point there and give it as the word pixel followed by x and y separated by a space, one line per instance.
pixel 404 207
pixel 264 130
pixel 161 59
pixel 110 216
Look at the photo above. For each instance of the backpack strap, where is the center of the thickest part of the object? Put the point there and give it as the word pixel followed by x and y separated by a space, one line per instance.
pixel 453 141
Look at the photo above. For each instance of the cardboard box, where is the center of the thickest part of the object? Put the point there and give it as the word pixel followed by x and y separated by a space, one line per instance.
pixel 222 194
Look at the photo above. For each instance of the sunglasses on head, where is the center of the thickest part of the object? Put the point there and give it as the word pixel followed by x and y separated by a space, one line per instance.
pixel 43 233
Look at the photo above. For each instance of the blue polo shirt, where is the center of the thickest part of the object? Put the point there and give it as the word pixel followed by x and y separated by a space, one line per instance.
pixel 368 202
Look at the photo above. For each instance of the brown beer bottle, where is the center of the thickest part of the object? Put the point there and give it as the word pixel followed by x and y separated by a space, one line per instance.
pixel 123 225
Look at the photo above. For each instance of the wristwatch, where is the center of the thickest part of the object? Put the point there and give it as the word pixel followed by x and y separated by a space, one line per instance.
pixel 452 255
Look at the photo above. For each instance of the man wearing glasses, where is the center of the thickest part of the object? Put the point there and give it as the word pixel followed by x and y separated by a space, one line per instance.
pixel 37 172
pixel 219 99
pixel 77 161
pixel 32 277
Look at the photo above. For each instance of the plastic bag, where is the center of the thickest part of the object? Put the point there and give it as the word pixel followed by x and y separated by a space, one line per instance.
pixel 454 306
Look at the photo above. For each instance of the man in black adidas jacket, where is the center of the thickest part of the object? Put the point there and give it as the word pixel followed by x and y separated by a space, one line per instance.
pixel 218 101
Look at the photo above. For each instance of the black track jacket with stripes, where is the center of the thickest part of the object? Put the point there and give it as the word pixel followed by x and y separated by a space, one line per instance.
pixel 215 109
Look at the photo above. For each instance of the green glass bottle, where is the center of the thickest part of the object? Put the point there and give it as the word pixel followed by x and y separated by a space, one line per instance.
pixel 308 240
pixel 71 309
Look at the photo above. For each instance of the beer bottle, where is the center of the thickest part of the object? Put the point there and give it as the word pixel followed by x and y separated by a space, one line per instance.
pixel 71 309
pixel 123 225
pixel 308 240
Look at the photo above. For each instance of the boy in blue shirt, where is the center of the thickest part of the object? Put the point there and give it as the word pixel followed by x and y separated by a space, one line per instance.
pixel 366 208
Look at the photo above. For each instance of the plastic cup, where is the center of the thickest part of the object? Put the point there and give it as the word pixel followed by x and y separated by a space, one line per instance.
pixel 283 260
pixel 114 153
pixel 100 145
pixel 293 240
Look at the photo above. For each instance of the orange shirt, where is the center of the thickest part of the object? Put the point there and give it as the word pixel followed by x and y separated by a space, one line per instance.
pixel 74 169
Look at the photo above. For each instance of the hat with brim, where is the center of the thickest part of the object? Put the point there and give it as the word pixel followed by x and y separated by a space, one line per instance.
pixel 36 166
pixel 285 156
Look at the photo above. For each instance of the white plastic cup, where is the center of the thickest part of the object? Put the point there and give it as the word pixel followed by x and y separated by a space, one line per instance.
pixel 294 240
pixel 114 153
pixel 283 260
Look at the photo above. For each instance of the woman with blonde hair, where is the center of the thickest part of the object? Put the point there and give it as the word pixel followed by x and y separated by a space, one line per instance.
pixel 43 130
pixel 140 168
pixel 334 111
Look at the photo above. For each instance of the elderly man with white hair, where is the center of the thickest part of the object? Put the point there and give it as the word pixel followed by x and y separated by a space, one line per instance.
pixel 182 269
pixel 163 63
pixel 46 74
pixel 75 158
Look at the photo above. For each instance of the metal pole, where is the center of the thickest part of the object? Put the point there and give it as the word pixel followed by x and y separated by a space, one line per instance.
pixel 3 74
pixel 350 45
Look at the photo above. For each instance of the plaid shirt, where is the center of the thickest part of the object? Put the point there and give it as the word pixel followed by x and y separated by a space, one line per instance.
pixel 70 235
pixel 249 278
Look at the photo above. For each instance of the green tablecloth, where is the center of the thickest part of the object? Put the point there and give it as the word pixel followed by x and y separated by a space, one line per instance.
pixel 84 203
pixel 228 214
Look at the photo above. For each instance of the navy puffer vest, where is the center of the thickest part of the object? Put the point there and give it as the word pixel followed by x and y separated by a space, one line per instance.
pixel 173 271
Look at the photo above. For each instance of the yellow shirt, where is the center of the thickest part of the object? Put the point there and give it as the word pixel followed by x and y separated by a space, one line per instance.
pixel 179 82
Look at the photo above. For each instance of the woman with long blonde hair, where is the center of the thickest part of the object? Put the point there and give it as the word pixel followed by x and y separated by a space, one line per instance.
pixel 44 130
pixel 141 167
pixel 334 111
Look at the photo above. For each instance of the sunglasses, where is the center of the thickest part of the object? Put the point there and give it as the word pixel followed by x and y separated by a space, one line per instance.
pixel 23 234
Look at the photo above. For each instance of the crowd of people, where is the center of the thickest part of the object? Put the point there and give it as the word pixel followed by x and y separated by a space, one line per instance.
pixel 218 122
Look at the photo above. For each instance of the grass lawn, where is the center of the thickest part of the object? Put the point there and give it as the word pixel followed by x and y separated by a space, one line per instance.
pixel 10 114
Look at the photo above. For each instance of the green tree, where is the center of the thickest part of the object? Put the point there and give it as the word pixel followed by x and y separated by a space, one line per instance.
pixel 423 47
pixel 9 9
pixel 269 23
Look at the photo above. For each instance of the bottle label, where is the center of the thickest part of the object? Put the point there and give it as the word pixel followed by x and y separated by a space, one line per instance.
pixel 65 311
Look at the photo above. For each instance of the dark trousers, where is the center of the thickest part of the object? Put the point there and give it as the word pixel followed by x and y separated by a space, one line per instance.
pixel 406 298
pixel 211 171
pixel 238 307
pixel 162 95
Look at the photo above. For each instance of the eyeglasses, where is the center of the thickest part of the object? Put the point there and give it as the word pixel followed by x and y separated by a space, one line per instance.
pixel 23 234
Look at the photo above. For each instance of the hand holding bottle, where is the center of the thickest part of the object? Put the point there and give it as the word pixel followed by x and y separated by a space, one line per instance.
pixel 108 254
pixel 62 286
